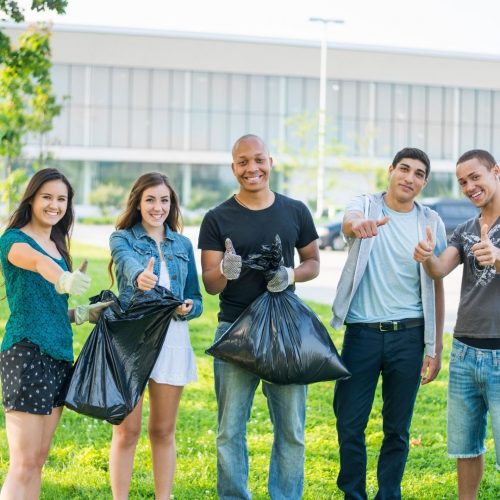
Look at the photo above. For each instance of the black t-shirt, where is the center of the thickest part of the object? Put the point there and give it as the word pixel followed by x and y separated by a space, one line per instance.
pixel 478 311
pixel 248 230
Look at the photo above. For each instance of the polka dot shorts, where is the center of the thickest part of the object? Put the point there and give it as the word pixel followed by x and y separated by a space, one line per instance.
pixel 32 382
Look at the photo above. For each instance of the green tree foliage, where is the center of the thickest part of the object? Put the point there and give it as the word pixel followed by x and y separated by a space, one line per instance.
pixel 27 105
pixel 109 198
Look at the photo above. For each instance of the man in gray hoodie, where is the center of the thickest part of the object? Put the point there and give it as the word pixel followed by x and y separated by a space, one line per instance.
pixel 392 311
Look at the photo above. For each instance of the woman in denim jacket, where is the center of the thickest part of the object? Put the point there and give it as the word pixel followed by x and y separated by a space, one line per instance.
pixel 147 250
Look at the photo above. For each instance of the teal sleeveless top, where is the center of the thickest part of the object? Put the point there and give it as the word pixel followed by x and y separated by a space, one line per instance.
pixel 37 312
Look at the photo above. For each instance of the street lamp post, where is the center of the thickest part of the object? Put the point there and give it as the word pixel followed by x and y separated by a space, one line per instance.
pixel 320 186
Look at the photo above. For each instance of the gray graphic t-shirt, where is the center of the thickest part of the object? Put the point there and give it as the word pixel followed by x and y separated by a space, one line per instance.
pixel 478 311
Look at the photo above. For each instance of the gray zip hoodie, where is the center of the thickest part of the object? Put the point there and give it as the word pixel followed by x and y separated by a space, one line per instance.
pixel 357 260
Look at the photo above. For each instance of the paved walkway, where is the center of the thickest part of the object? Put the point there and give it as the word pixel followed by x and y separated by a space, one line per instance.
pixel 321 290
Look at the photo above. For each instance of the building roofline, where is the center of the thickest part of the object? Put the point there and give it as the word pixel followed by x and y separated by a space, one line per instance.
pixel 130 31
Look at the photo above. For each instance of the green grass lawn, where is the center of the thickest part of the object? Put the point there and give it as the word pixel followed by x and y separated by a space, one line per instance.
pixel 78 464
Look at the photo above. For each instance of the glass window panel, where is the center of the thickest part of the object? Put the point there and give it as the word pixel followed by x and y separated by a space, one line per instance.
pixel 140 88
pixel 178 90
pixel 483 138
pixel 199 131
pixel 349 102
pixel 434 140
pixel 401 103
pixel 467 139
pixel 273 129
pixel 332 98
pixel 484 107
pixel 219 92
pixel 77 85
pixel 383 146
pixel 119 127
pixel 417 134
pixel 218 132
pixel 99 87
pixel 349 136
pixel 238 91
pixel 383 102
pixel 418 104
pixel 401 134
pixel 60 80
pixel 496 108
pixel 200 92
pixel 311 96
pixel 177 130
pixel 120 87
pixel 448 150
pixel 294 96
pixel 160 90
pixel 257 125
pixel 160 129
pixel 99 127
pixel 76 129
pixel 273 94
pixel 435 104
pixel 364 101
pixel 238 125
pixel 467 107
pixel 257 94
pixel 140 125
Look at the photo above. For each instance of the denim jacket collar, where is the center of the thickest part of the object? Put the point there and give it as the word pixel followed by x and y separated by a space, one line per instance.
pixel 139 232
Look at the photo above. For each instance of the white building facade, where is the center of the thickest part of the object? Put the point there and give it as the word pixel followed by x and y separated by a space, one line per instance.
pixel 136 101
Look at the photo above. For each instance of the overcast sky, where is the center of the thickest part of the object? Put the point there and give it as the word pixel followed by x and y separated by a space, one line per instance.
pixel 450 25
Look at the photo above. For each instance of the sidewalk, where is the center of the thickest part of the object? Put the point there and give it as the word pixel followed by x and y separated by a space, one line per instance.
pixel 321 290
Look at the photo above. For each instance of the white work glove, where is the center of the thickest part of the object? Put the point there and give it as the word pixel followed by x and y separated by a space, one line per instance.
pixel 90 312
pixel 74 283
pixel 281 279
pixel 230 265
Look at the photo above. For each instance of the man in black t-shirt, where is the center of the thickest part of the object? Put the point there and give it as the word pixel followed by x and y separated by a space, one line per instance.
pixel 474 386
pixel 232 231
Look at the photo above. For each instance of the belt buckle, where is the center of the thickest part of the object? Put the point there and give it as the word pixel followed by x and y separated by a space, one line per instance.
pixel 389 326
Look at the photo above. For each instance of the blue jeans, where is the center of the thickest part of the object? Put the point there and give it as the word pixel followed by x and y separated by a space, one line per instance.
pixel 367 353
pixel 473 391
pixel 235 389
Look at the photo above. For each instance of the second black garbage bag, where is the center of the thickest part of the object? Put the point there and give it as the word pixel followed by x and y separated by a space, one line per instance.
pixel 116 361
pixel 278 337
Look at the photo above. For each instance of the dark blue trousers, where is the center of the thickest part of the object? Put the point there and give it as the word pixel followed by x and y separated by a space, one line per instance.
pixel 367 353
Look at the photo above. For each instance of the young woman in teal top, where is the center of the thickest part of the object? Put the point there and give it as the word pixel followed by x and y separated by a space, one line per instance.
pixel 36 353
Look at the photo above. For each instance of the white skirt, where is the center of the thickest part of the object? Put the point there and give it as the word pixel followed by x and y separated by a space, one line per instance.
pixel 176 364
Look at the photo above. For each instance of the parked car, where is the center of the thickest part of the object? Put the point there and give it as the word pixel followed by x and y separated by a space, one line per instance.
pixel 330 235
pixel 453 212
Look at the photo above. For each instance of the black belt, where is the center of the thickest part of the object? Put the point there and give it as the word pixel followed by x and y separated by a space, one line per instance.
pixel 392 326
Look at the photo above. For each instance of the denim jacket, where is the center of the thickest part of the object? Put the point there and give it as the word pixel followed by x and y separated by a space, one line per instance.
pixel 131 250
pixel 357 260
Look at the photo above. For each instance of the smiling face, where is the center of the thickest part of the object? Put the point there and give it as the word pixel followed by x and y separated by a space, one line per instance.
pixel 406 180
pixel 155 207
pixel 49 203
pixel 251 165
pixel 479 183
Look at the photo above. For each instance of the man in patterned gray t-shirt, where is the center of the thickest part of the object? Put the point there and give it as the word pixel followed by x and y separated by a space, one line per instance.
pixel 474 386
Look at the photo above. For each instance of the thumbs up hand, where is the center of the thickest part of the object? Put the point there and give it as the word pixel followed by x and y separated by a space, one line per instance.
pixel 367 228
pixel 230 265
pixel 147 279
pixel 425 248
pixel 484 251
pixel 74 283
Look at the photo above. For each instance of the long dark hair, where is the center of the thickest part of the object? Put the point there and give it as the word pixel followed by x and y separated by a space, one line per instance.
pixel 131 215
pixel 61 231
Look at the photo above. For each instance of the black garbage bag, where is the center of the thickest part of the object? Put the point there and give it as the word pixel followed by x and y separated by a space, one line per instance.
pixel 116 361
pixel 278 337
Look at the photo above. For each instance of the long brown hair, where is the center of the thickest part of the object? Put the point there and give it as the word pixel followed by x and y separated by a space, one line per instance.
pixel 60 233
pixel 131 215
